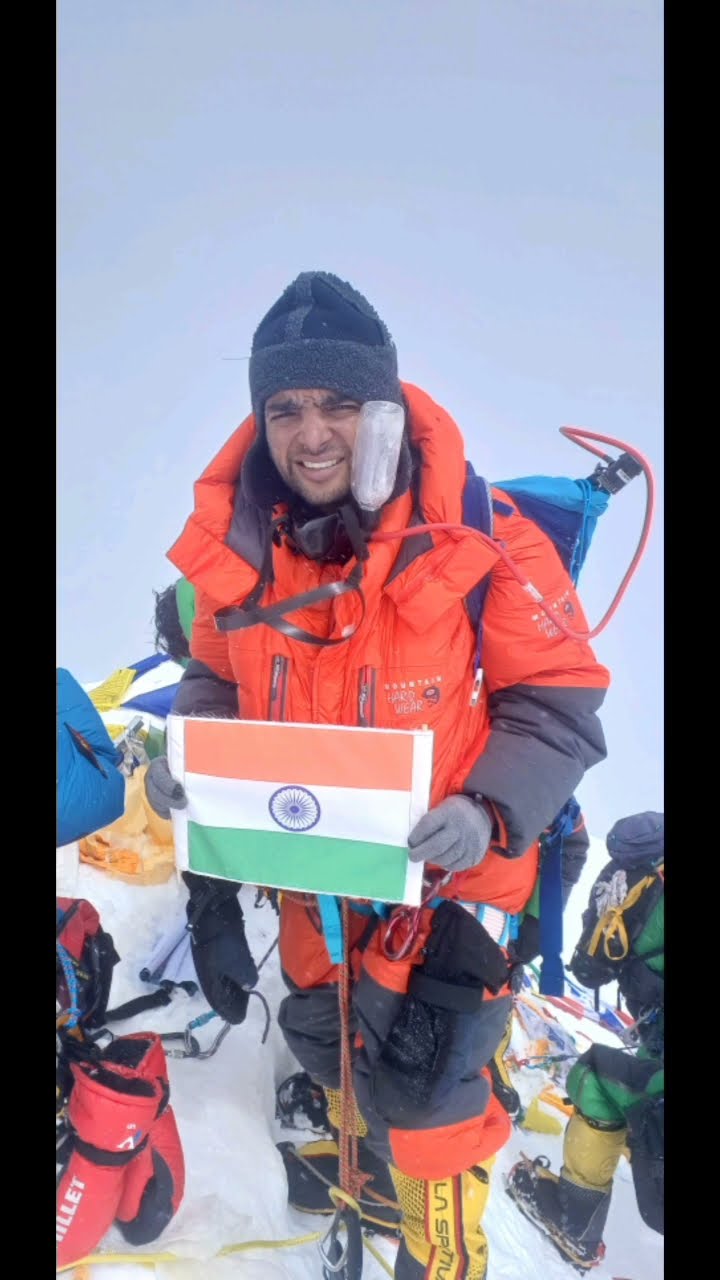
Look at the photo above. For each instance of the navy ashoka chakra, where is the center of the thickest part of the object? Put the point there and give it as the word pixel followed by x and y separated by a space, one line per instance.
pixel 294 809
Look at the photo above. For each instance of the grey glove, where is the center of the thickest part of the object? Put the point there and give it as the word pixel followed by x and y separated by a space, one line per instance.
pixel 161 789
pixel 455 835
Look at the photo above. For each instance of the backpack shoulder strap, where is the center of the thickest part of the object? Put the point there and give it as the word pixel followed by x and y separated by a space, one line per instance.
pixel 478 512
pixel 612 928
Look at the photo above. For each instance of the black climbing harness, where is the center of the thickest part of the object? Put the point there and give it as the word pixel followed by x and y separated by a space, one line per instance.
pixel 240 617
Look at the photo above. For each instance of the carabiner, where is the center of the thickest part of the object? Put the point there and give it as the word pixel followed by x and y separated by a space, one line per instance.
pixel 342 1259
pixel 208 1053
pixel 410 916
pixel 190 1049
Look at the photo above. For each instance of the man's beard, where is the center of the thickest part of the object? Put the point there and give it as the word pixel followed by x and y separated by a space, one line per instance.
pixel 321 498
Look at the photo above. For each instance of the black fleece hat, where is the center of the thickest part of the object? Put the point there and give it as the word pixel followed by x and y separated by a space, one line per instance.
pixel 320 333
pixel 323 333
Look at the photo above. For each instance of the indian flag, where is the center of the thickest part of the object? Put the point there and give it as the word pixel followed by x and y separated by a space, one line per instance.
pixel 317 808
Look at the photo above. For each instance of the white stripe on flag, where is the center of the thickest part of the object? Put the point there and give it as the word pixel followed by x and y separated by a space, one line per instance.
pixel 353 813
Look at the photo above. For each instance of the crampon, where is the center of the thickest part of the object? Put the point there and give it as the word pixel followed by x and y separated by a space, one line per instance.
pixel 301 1104
pixel 520 1185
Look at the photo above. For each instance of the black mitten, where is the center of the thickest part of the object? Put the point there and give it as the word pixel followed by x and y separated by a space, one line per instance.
pixel 225 968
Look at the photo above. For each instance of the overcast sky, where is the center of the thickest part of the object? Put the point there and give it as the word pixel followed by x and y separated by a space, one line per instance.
pixel 488 172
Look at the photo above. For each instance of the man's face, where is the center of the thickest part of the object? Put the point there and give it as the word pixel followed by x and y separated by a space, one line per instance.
pixel 310 436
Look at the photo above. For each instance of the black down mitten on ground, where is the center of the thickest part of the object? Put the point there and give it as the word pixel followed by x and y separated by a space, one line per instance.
pixel 225 968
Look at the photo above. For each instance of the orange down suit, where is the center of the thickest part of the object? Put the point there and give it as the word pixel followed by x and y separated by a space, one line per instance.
pixel 524 746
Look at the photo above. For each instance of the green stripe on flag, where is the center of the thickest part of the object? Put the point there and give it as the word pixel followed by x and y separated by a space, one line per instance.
pixel 313 864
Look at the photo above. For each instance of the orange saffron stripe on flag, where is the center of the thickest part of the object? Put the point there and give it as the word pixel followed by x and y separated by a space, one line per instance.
pixel 295 753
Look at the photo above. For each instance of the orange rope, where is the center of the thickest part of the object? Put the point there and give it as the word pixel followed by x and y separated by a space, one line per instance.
pixel 351 1179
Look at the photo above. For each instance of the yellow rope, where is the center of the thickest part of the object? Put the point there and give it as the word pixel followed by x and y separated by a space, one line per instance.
pixel 270 1244
pixel 140 1260
pixel 378 1257
pixel 152 1259
pixel 336 1194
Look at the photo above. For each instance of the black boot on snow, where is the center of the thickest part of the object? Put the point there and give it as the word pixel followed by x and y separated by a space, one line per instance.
pixel 315 1167
pixel 571 1216
pixel 301 1104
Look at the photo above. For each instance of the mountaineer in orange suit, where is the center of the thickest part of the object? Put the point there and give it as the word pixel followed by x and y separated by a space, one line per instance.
pixel 280 553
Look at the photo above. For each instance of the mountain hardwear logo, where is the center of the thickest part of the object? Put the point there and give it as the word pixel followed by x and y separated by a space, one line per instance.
pixel 409 697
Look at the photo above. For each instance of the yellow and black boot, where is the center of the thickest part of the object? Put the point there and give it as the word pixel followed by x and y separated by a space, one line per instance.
pixel 315 1167
pixel 442 1236
pixel 572 1209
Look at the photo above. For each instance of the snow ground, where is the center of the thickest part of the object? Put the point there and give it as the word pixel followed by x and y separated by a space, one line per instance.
pixel 225 1106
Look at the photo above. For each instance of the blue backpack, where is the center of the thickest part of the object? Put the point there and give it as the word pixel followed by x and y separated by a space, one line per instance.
pixel 567 511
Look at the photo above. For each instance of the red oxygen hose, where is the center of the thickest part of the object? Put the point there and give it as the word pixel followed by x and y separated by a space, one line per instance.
pixel 579 436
